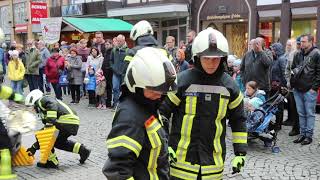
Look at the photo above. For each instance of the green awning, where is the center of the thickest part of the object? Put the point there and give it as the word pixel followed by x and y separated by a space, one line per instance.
pixel 98 24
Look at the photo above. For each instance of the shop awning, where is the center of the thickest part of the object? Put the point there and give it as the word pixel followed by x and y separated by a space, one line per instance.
pixel 85 25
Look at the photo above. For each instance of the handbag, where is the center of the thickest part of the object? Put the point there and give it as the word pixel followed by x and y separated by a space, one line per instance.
pixel 296 73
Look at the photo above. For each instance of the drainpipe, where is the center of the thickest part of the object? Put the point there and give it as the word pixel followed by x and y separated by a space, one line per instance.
pixel 198 15
pixel 250 18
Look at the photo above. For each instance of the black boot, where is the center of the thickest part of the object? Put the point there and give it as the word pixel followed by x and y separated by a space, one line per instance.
pixel 49 164
pixel 299 140
pixel 294 132
pixel 84 153
pixel 287 123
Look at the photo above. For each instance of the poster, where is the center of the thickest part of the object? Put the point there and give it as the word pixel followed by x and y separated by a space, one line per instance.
pixel 51 28
pixel 38 10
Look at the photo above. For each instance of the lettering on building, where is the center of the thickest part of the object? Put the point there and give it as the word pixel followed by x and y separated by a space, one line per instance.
pixel 222 17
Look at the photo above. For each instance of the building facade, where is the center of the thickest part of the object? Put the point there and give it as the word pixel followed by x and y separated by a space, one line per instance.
pixel 275 20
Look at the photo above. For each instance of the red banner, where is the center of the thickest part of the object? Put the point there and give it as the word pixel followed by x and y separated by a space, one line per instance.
pixel 38 10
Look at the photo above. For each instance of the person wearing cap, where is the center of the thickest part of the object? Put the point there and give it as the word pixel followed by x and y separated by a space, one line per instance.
pixel 137 143
pixel 237 74
pixel 16 72
pixel 206 96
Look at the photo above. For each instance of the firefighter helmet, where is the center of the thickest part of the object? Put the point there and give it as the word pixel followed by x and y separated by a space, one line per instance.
pixel 210 43
pixel 151 69
pixel 33 96
pixel 142 28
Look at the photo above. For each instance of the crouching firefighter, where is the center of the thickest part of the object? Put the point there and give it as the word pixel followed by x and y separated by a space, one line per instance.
pixel 54 112
pixel 204 97
pixel 137 143
pixel 5 143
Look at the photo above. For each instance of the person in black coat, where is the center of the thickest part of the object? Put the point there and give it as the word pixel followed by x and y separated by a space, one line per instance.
pixel 107 71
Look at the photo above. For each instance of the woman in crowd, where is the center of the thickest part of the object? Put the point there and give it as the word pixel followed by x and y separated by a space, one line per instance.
pixel 95 59
pixel 84 52
pixel 53 70
pixel 75 78
pixel 181 63
pixel 107 72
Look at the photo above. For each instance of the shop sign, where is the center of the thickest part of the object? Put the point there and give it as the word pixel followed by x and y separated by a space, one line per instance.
pixel 51 28
pixel 21 28
pixel 38 10
pixel 223 17
pixel 75 37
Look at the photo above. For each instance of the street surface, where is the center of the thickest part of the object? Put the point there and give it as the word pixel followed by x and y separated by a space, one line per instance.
pixel 293 162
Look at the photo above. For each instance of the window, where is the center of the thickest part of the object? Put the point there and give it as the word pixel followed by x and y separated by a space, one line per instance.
pixel 20 13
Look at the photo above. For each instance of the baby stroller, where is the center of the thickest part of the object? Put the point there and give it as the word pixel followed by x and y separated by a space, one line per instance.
pixel 260 124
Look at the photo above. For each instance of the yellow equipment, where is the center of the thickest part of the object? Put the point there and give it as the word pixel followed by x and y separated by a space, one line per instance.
pixel 22 158
pixel 46 138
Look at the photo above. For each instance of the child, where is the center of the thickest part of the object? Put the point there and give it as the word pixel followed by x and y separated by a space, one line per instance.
pixel 16 72
pixel 181 63
pixel 100 90
pixel 91 85
pixel 63 82
pixel 254 97
pixel 236 74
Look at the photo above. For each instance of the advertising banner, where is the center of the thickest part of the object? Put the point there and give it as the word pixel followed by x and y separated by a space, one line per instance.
pixel 38 10
pixel 51 28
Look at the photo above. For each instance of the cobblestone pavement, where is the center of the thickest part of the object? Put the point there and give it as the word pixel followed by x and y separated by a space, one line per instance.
pixel 293 162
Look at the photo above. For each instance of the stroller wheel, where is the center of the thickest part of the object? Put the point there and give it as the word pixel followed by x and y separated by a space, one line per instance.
pixel 267 143
pixel 275 149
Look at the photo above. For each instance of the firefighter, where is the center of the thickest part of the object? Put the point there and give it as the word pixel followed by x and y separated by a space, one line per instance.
pixel 54 112
pixel 142 34
pixel 137 143
pixel 204 97
pixel 5 143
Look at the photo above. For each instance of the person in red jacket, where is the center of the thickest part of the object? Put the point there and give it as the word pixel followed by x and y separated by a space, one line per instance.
pixel 53 69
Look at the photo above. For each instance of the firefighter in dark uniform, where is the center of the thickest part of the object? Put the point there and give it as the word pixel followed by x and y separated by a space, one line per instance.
pixel 5 143
pixel 205 96
pixel 137 143
pixel 142 34
pixel 55 112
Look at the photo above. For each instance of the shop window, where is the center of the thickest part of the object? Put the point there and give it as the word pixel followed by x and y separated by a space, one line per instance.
pixel 276 32
pixel 183 21
pixel 164 35
pixel 265 31
pixel 173 22
pixel 174 33
pixel 300 27
pixel 182 34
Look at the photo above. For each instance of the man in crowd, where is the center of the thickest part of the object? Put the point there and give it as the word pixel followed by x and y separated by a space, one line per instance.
pixel 255 65
pixel 306 81
pixel 170 46
pixel 44 55
pixel 100 43
pixel 118 64
pixel 32 65
pixel 188 52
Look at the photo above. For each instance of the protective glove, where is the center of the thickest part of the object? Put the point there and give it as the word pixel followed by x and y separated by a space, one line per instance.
pixel 18 98
pixel 31 151
pixel 172 156
pixel 238 163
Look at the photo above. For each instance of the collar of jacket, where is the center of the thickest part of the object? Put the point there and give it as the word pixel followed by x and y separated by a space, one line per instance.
pixel 147 40
pixel 308 52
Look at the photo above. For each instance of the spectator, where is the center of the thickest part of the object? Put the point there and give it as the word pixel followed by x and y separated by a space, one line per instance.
pixel 170 46
pixel 182 45
pixel 54 67
pixel 44 55
pixel 16 72
pixel 230 60
pixel 32 65
pixel 293 117
pixel 188 52
pixel 181 63
pixel 107 71
pixel 250 44
pixel 73 65
pixel 118 65
pixel 56 46
pixel 72 45
pixel 254 97
pixel 90 81
pixel 95 59
pixel 64 44
pixel 277 78
pixel 99 43
pixel 115 42
pixel 255 66
pixel 2 64
pixel 22 54
pixel 84 52
pixel 100 90
pixel 237 75
pixel 306 81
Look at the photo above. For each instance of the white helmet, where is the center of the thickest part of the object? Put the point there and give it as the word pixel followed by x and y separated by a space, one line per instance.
pixel 151 69
pixel 33 96
pixel 140 29
pixel 210 43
